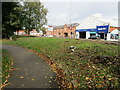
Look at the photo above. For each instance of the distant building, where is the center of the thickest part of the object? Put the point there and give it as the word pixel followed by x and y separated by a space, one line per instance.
pixel 33 32
pixel 114 34
pixel 67 30
pixel 20 32
pixel 49 30
pixel 89 27
pixel 95 26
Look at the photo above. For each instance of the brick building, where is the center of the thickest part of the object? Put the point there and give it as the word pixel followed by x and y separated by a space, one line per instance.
pixel 33 32
pixel 49 30
pixel 67 30
pixel 20 32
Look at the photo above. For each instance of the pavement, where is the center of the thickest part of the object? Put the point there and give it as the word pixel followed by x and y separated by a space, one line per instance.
pixel 29 70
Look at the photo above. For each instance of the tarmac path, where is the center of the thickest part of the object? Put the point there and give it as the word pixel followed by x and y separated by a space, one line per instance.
pixel 30 71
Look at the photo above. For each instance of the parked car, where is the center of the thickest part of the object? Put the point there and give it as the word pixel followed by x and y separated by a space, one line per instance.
pixel 47 35
pixel 93 37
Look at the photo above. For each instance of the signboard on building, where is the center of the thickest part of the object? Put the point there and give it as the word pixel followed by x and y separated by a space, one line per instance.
pixel 103 29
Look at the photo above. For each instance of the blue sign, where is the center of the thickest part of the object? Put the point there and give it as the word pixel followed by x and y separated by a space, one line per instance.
pixel 98 29
pixel 103 29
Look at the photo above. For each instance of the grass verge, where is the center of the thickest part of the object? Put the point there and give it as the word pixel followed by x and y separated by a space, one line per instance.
pixel 93 64
pixel 7 63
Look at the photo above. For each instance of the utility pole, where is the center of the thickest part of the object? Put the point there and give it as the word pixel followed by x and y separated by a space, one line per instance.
pixel 70 18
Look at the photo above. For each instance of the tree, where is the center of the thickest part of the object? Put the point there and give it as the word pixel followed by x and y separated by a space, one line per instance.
pixel 33 15
pixel 15 16
pixel 10 19
pixel 43 30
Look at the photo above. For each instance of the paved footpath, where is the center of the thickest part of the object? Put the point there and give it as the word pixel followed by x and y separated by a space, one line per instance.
pixel 30 71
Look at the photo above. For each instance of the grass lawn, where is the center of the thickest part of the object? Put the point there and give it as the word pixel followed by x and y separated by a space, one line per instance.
pixel 93 64
pixel 6 67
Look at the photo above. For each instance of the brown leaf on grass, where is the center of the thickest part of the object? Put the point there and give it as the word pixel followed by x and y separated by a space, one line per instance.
pixel 87 78
pixel 21 77
pixel 75 83
pixel 50 81
pixel 45 77
pixel 70 85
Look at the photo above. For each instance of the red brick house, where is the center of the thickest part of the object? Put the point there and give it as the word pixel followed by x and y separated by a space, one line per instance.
pixel 20 32
pixel 33 32
pixel 67 30
pixel 49 30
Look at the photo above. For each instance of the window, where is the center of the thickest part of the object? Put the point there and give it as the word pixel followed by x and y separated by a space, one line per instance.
pixel 114 36
pixel 92 34
pixel 59 34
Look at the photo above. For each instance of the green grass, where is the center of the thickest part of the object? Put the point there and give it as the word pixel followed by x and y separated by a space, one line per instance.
pixel 6 65
pixel 93 64
pixel 0 66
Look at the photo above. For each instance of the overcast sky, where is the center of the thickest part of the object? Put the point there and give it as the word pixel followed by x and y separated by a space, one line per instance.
pixel 70 12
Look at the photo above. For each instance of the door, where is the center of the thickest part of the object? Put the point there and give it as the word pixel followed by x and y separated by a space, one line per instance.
pixel 82 34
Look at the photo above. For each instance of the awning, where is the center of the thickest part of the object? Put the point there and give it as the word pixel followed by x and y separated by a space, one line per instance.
pixel 85 30
pixel 92 32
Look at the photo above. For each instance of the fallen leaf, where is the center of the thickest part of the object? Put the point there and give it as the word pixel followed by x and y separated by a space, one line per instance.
pixel 109 78
pixel 87 78
pixel 23 85
pixel 45 83
pixel 32 79
pixel 21 77
pixel 45 76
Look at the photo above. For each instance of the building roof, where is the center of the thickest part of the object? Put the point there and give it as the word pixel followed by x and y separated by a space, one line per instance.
pixel 73 25
pixel 21 31
pixel 58 27
pixel 91 22
pixel 68 25
pixel 113 28
pixel 115 31
pixel 96 20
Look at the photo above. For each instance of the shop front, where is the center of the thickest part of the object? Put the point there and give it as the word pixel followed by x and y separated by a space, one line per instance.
pixel 102 31
pixel 114 35
pixel 85 33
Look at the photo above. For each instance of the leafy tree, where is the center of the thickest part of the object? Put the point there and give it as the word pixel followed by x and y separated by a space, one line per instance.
pixel 43 30
pixel 10 19
pixel 33 15
pixel 15 16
